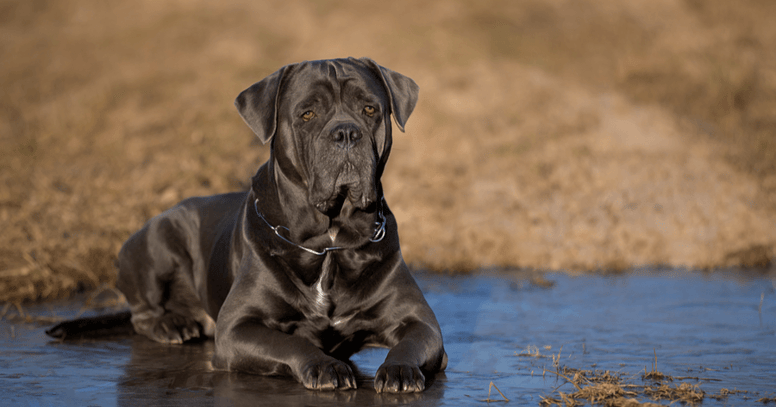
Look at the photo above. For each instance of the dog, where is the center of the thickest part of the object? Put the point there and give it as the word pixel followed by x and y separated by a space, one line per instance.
pixel 303 270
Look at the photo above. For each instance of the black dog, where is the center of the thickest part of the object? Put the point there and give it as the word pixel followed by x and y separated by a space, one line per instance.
pixel 302 271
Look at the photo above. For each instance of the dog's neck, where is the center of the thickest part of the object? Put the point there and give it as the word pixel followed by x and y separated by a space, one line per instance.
pixel 379 232
pixel 294 220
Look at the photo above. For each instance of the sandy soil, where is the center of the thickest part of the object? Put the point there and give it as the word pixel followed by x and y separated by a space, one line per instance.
pixel 575 135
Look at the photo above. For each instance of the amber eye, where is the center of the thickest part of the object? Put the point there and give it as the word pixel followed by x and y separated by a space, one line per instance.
pixel 308 115
pixel 369 110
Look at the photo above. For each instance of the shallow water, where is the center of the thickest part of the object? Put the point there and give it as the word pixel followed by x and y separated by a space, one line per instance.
pixel 717 328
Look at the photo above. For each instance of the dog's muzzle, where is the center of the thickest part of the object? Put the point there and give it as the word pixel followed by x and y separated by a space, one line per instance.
pixel 343 168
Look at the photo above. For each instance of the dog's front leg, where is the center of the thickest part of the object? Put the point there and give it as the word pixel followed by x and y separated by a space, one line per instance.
pixel 419 349
pixel 254 348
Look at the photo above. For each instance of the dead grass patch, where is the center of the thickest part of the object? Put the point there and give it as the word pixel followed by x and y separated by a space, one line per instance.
pixel 685 392
pixel 614 389
pixel 592 135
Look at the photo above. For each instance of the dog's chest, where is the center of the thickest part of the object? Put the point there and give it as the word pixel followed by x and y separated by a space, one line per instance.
pixel 322 303
pixel 331 312
pixel 324 324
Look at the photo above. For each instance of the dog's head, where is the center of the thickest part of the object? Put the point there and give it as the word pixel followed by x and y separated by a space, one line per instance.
pixel 329 122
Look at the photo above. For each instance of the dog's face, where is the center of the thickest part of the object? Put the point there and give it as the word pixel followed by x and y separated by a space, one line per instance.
pixel 331 125
pixel 337 114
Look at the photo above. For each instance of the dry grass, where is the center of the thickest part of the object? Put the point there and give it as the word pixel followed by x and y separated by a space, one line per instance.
pixel 614 390
pixel 592 135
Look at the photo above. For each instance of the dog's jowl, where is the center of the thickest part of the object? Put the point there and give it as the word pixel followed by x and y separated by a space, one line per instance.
pixel 295 275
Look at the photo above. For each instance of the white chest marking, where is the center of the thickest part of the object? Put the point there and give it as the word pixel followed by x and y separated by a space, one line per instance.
pixel 333 233
pixel 343 319
pixel 321 298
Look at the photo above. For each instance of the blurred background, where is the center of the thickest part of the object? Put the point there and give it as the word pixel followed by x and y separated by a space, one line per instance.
pixel 577 135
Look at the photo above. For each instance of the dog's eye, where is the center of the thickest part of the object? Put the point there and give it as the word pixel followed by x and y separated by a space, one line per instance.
pixel 369 110
pixel 308 115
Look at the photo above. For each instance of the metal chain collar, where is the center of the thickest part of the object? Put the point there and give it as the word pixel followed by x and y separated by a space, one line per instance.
pixel 376 237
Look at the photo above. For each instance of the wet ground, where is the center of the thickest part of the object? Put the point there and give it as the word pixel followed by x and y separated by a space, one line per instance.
pixel 715 330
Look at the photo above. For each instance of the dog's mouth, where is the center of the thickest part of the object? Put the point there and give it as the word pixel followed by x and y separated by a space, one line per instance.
pixel 333 206
pixel 351 183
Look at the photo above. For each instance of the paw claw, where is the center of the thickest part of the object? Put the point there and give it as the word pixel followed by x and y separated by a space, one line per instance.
pixel 397 378
pixel 328 374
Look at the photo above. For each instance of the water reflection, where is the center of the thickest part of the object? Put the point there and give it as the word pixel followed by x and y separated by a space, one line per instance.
pixel 183 375
pixel 505 329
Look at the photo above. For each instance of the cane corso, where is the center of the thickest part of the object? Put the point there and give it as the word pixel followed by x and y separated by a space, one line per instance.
pixel 295 275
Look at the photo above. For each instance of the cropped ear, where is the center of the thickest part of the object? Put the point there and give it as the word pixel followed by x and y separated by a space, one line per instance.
pixel 402 91
pixel 258 104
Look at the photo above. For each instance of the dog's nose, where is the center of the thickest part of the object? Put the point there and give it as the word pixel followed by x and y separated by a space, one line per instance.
pixel 346 135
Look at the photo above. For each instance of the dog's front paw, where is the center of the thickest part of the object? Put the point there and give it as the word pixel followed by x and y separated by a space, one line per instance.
pixel 399 378
pixel 328 374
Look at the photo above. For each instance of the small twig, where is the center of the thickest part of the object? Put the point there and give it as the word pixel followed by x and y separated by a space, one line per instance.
pixel 565 377
pixel 706 379
pixel 493 386
pixel 20 310
pixel 5 310
pixel 556 359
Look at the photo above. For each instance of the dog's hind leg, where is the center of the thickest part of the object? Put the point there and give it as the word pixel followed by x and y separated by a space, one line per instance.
pixel 179 319
pixel 155 275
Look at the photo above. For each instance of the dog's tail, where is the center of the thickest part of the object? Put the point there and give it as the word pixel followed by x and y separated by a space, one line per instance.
pixel 118 324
